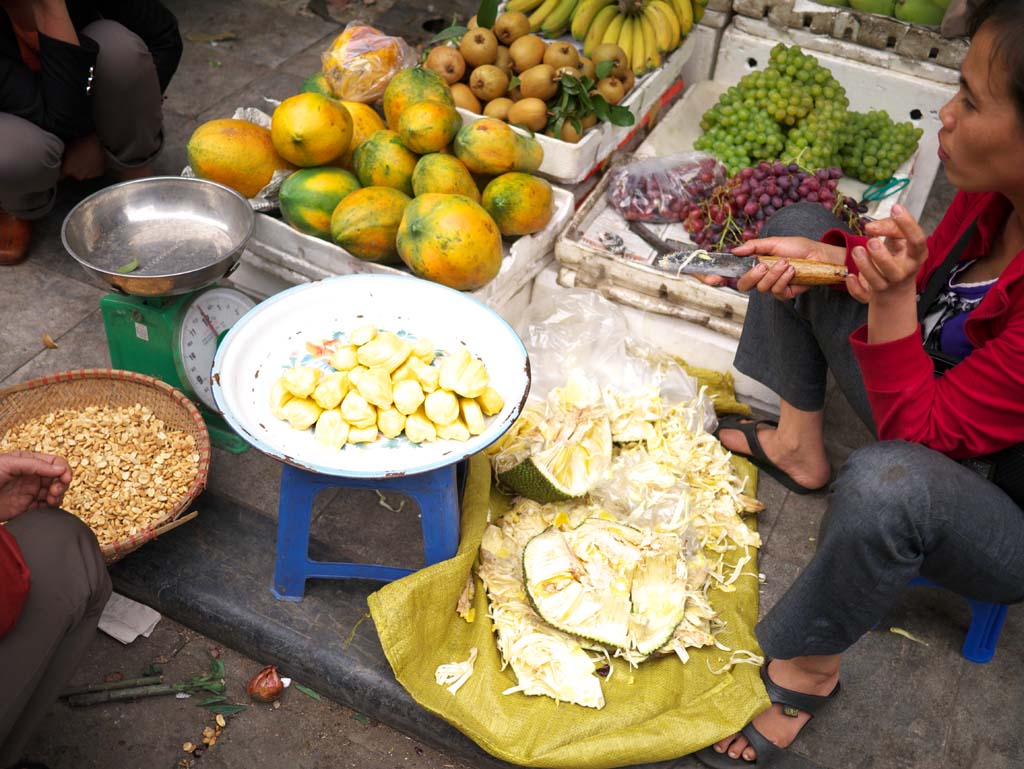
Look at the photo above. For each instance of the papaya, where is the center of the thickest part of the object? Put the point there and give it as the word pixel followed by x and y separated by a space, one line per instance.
pixel 309 196
pixel 410 86
pixel 365 223
pixel 365 122
pixel 383 161
pixel 490 146
pixel 317 83
pixel 235 153
pixel 444 174
pixel 310 129
pixel 360 61
pixel 450 239
pixel 428 126
pixel 519 203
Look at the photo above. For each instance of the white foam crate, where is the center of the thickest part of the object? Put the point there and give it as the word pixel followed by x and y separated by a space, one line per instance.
pixel 568 163
pixel 278 257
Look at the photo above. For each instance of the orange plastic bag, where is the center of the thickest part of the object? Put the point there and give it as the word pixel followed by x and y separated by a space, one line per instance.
pixel 362 60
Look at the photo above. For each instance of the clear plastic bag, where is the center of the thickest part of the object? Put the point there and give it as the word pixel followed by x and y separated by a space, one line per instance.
pixel 662 189
pixel 362 60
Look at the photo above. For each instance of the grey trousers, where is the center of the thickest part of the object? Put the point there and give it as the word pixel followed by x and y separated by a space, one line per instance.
pixel 70 587
pixel 126 112
pixel 897 510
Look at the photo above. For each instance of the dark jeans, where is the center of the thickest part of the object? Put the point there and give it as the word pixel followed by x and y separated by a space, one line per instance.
pixel 896 510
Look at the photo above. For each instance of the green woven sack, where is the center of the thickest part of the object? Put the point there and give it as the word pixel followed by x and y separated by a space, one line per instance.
pixel 658 711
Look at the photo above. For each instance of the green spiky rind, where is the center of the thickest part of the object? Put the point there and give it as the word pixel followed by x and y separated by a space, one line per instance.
pixel 528 480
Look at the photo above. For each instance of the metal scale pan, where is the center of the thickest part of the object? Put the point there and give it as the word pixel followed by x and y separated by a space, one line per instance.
pixel 185 234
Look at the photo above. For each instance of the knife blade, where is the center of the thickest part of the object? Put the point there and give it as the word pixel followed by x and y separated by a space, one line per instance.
pixel 695 261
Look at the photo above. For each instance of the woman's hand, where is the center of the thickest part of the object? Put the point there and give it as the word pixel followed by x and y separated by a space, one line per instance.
pixel 890 263
pixel 775 280
pixel 29 479
pixel 84 158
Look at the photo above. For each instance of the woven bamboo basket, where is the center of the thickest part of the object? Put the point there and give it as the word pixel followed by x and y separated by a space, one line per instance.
pixel 110 387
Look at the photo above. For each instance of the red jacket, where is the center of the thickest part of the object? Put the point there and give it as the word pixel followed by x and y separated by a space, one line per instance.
pixel 14 582
pixel 976 407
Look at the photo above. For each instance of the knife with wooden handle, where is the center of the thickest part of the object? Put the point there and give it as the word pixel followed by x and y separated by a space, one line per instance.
pixel 697 262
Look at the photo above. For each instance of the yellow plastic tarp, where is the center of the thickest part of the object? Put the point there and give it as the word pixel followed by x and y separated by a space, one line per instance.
pixel 661 710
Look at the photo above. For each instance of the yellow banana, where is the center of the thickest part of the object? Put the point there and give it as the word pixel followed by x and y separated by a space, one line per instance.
pixel 625 41
pixel 585 15
pixel 611 35
pixel 668 16
pixel 544 10
pixel 662 31
pixel 558 20
pixel 698 10
pixel 652 56
pixel 522 6
pixel 684 12
pixel 598 27
pixel 637 51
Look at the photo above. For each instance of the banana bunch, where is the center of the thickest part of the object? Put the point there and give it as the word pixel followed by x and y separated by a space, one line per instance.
pixel 646 31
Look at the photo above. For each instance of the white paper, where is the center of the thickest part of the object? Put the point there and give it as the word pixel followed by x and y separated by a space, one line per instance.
pixel 125 619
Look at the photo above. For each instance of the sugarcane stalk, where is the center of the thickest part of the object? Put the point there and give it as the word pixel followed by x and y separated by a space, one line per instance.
pixel 117 695
pixel 104 686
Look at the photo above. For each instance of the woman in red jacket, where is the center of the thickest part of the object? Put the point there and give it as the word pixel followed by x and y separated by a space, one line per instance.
pixel 904 506
pixel 53 587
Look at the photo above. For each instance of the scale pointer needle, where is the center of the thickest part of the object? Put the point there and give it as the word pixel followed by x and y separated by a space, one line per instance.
pixel 206 320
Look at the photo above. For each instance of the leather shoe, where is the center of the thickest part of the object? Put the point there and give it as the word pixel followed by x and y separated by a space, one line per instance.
pixel 15 235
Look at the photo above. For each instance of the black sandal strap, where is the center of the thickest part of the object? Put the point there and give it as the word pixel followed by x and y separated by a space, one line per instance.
pixel 808 703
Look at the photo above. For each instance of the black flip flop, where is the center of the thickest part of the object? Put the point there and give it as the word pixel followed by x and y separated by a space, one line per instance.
pixel 767 752
pixel 757 455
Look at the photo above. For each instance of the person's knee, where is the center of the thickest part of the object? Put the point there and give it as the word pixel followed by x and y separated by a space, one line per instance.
pixel 30 158
pixel 882 488
pixel 64 558
pixel 809 220
pixel 123 55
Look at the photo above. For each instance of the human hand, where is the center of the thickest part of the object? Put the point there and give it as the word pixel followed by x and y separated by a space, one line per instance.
pixel 84 158
pixel 893 257
pixel 775 279
pixel 29 479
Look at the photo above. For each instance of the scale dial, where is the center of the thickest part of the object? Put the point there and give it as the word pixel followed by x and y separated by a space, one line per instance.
pixel 204 321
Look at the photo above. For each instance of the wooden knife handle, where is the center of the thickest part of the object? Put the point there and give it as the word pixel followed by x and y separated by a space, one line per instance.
pixel 811 273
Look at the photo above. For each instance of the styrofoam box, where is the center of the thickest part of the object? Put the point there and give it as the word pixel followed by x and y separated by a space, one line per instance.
pixel 278 257
pixel 572 163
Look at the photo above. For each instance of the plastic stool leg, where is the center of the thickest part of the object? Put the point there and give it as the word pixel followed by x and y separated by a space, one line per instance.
pixel 436 494
pixel 982 636
pixel 294 512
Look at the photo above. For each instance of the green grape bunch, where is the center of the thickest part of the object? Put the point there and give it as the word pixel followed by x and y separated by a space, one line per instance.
pixel 794 110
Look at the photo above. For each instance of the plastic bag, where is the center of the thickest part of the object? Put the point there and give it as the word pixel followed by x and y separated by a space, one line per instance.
pixel 362 60
pixel 662 189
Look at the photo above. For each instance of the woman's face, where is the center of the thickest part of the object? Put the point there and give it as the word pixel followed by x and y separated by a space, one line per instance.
pixel 981 142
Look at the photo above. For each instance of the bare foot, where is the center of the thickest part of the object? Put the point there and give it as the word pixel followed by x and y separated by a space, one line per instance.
pixel 808 467
pixel 778 728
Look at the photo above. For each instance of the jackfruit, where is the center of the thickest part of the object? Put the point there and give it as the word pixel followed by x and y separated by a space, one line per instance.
pixel 279 395
pixel 331 430
pixel 386 351
pixel 408 396
pixel 356 373
pixel 490 401
pixel 301 380
pixel 375 386
pixel 357 412
pixel 344 358
pixel 442 407
pixel 390 422
pixel 419 429
pixel 362 434
pixel 472 416
pixel 463 374
pixel 301 413
pixel 424 350
pixel 331 390
pixel 362 335
pixel 426 375
pixel 453 431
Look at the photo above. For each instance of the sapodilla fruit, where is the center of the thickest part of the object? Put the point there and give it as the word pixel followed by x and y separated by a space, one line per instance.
pixel 561 54
pixel 465 98
pixel 530 112
pixel 528 51
pixel 478 47
pixel 510 26
pixel 611 52
pixel 538 81
pixel 488 82
pixel 498 108
pixel 447 62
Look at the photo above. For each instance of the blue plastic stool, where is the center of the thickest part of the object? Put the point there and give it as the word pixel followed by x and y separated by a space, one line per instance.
pixel 434 491
pixel 986 624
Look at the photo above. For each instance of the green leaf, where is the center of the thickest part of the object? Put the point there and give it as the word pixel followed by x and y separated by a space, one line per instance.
pixel 131 266
pixel 212 701
pixel 307 691
pixel 604 69
pixel 621 116
pixel 514 82
pixel 360 718
pixel 601 109
pixel 446 34
pixel 487 13
pixel 152 670
pixel 216 668
pixel 227 710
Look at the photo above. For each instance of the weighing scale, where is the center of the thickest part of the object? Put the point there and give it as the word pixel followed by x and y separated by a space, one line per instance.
pixel 161 244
